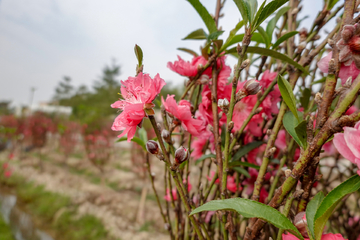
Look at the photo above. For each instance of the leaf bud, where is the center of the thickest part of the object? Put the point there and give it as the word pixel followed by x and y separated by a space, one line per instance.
pixel 245 63
pixel 181 155
pixel 230 126
pixel 152 147
pixel 238 49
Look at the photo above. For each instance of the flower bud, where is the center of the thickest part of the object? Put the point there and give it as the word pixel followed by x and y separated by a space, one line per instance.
pixel 224 104
pixel 251 87
pixel 204 79
pixel 348 82
pixel 152 147
pixel 230 126
pixel 181 155
pixel 301 223
pixel 165 134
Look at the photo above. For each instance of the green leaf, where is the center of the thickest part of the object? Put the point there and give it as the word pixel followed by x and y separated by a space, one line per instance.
pixel 242 171
pixel 305 98
pixel 321 80
pixel 198 34
pixel 188 51
pixel 143 135
pixel 215 35
pixel 134 139
pixel 259 11
pixel 138 54
pixel 203 157
pixel 290 122
pixel 274 54
pixel 204 14
pixel 244 10
pixel 300 130
pixel 205 50
pixel 249 209
pixel 283 38
pixel 272 23
pixel 246 149
pixel 245 164
pixel 264 36
pixel 232 35
pixel 256 37
pixel 288 95
pixel 268 10
pixel 311 211
pixel 330 202
pixel 331 4
pixel 252 5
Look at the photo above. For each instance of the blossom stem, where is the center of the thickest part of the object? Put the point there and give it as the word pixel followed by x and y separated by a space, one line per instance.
pixel 176 180
pixel 279 172
pixel 286 211
pixel 168 226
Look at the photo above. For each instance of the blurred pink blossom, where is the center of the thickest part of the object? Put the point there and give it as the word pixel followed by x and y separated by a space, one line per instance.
pixel 138 93
pixel 345 72
pixel 7 173
pixel 329 236
pixel 348 144
pixel 182 112
pixel 186 68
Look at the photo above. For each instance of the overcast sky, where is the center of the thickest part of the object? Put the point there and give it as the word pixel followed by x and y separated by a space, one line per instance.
pixel 43 40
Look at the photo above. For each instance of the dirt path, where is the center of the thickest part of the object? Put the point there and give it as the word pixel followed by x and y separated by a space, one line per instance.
pixel 117 209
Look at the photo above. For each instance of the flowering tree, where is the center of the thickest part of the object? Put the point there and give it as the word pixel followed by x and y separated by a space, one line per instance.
pixel 260 146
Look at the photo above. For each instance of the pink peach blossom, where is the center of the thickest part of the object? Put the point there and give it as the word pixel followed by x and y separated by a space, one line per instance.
pixel 345 71
pixel 230 183
pixel 138 93
pixel 186 68
pixel 329 236
pixel 348 144
pixel 182 112
pixel 7 173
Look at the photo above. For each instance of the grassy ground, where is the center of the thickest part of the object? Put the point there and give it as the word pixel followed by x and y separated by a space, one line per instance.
pixel 5 232
pixel 54 213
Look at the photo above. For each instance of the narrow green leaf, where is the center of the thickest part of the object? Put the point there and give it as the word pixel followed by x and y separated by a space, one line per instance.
pixel 203 157
pixel 272 23
pixel 283 38
pixel 143 135
pixel 242 171
pixel 300 130
pixel 138 54
pixel 245 164
pixel 274 54
pixel 305 98
pixel 290 122
pixel 252 5
pixel 330 202
pixel 321 80
pixel 288 95
pixel 268 10
pixel 259 11
pixel 256 37
pixel 232 35
pixel 331 4
pixel 244 10
pixel 245 150
pixel 134 139
pixel 198 34
pixel 249 209
pixel 215 35
pixel 264 36
pixel 311 211
pixel 204 14
pixel 188 51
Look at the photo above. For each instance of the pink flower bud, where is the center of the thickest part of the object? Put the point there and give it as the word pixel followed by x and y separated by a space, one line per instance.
pixel 152 147
pixel 251 87
pixel 165 134
pixel 181 155
pixel 301 223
